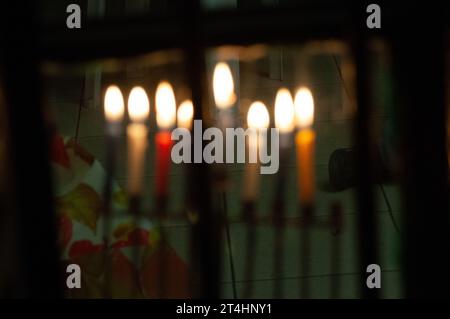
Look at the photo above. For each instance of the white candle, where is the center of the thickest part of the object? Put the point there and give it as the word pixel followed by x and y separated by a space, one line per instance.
pixel 114 110
pixel 284 117
pixel 165 106
pixel 185 114
pixel 138 111
pixel 257 119
pixel 224 96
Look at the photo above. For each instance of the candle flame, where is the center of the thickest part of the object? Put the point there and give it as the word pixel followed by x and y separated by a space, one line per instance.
pixel 165 106
pixel 258 116
pixel 284 111
pixel 185 114
pixel 304 108
pixel 113 104
pixel 223 86
pixel 138 105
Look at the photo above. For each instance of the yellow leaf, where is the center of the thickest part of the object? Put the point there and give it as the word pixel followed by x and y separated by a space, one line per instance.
pixel 122 230
pixel 82 204
pixel 120 198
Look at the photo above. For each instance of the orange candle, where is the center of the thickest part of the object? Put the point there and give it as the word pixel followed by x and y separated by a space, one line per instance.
pixel 165 120
pixel 305 142
pixel 138 110
pixel 305 145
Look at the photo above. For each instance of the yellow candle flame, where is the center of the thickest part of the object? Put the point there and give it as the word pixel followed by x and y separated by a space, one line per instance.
pixel 258 116
pixel 284 111
pixel 223 86
pixel 138 105
pixel 165 106
pixel 185 114
pixel 304 108
pixel 113 104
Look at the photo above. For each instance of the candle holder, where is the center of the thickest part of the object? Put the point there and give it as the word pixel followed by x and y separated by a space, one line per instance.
pixel 134 206
pixel 161 213
pixel 250 218
pixel 307 220
pixel 112 142
pixel 336 224
pixel 114 109
pixel 278 221
pixel 305 224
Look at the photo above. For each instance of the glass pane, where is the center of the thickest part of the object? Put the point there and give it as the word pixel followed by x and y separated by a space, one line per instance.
pixel 110 250
pixel 258 72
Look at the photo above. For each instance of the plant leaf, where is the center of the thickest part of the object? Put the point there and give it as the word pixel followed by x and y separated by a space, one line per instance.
pixel 82 204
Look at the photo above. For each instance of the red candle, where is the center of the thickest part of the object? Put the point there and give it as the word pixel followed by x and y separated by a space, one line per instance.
pixel 165 119
pixel 163 148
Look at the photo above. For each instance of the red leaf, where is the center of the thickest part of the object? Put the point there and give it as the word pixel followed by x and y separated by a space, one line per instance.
pixel 58 152
pixel 84 247
pixel 65 231
pixel 138 237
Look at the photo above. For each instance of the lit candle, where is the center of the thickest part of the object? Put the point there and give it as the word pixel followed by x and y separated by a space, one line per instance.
pixel 284 122
pixel 165 119
pixel 114 109
pixel 257 119
pixel 305 143
pixel 284 117
pixel 138 111
pixel 185 114
pixel 224 96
